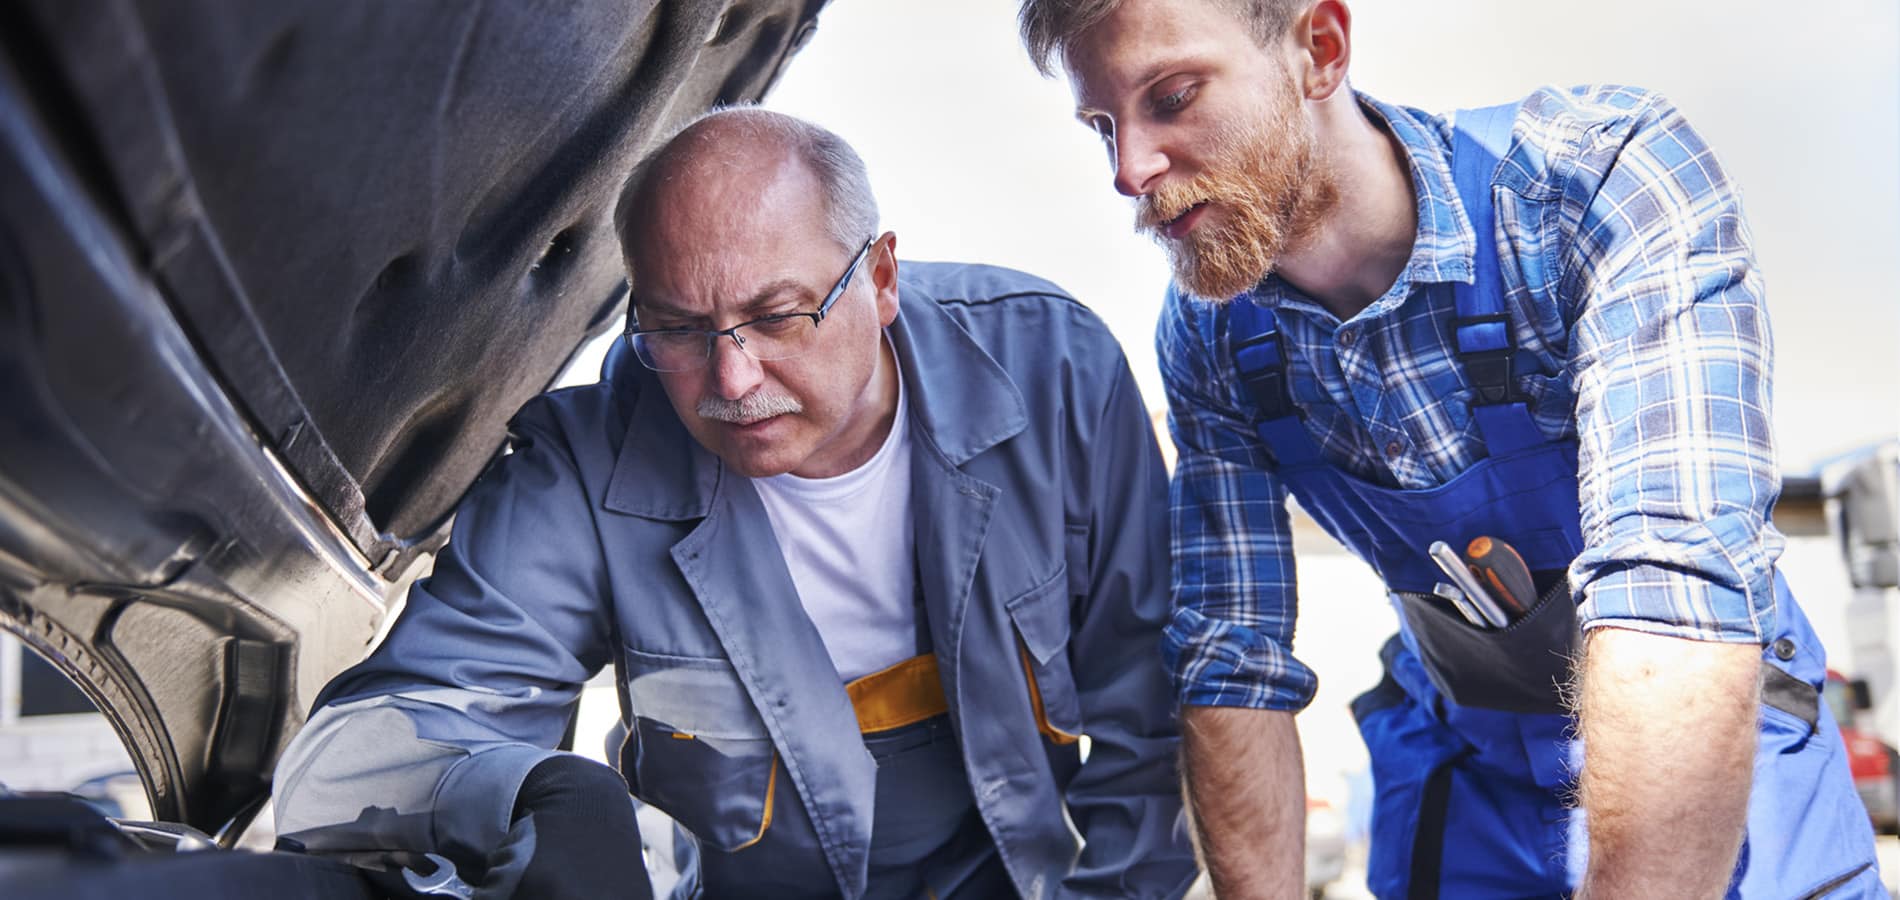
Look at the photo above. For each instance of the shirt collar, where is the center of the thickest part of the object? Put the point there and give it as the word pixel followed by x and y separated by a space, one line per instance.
pixel 1442 248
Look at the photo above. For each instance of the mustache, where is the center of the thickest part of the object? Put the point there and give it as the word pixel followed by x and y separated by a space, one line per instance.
pixel 747 409
pixel 1170 202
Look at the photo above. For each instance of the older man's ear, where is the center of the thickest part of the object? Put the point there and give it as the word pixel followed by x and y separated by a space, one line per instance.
pixel 884 277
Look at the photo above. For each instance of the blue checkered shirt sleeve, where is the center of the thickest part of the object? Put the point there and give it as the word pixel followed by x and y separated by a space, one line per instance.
pixel 1230 642
pixel 1670 357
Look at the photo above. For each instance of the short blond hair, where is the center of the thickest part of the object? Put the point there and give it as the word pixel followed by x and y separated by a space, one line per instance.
pixel 1049 27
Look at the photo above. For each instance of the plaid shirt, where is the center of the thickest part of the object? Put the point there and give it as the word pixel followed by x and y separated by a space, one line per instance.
pixel 1631 282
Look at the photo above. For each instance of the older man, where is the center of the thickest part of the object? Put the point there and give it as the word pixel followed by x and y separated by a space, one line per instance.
pixel 1537 325
pixel 869 555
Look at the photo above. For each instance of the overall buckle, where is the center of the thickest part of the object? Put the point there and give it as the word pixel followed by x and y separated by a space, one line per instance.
pixel 1488 357
pixel 1261 360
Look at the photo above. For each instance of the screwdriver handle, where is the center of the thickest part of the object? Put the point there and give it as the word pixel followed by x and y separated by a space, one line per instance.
pixel 1461 577
pixel 1503 571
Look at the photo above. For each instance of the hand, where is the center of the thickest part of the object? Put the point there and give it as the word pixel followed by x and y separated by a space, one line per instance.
pixel 586 839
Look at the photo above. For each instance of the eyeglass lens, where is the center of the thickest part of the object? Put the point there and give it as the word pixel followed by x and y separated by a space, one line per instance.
pixel 781 337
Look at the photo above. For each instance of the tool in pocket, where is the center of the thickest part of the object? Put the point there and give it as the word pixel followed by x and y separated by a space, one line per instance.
pixel 1500 568
pixel 1462 578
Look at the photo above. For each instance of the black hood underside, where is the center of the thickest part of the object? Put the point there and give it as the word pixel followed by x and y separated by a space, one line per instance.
pixel 273 277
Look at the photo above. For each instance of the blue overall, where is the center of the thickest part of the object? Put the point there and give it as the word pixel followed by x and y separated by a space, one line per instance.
pixel 1471 762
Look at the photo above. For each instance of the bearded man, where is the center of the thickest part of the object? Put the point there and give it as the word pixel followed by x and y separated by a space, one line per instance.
pixel 1534 334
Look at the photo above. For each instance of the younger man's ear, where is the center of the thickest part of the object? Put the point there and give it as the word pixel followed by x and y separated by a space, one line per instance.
pixel 1322 43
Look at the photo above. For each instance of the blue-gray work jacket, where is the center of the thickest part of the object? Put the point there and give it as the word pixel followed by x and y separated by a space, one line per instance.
pixel 610 537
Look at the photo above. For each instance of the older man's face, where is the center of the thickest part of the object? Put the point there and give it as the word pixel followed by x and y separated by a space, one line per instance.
pixel 751 244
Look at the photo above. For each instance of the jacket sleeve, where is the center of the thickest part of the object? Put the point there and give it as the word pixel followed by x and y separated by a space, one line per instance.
pixel 422 746
pixel 1126 799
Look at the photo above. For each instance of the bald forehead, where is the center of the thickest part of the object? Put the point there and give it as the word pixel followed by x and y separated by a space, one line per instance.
pixel 727 196
pixel 721 174
pixel 738 138
pixel 726 225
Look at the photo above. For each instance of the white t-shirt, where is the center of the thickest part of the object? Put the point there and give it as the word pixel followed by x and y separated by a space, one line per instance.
pixel 849 544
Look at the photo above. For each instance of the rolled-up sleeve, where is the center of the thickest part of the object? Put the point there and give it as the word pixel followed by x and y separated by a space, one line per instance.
pixel 1671 359
pixel 1230 639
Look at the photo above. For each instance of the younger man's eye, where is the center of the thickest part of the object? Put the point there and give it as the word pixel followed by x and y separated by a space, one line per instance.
pixel 1175 101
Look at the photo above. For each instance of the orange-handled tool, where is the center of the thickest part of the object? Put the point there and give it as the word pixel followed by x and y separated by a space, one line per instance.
pixel 1501 570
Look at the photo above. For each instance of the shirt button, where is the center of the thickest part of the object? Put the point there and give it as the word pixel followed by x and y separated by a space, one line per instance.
pixel 1394 450
pixel 1784 649
pixel 1346 338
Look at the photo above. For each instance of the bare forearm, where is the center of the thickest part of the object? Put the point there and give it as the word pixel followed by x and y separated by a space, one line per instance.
pixel 1246 785
pixel 1669 729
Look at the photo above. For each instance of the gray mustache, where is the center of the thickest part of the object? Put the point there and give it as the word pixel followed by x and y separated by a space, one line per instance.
pixel 749 408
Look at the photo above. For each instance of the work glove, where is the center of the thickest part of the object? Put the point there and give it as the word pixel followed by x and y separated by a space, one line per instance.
pixel 585 839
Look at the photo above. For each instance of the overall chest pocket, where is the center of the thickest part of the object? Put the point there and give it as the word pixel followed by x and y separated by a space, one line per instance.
pixel 698 750
pixel 1041 615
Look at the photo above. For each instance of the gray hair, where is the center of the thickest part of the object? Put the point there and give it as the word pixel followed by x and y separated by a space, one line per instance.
pixel 1050 27
pixel 850 210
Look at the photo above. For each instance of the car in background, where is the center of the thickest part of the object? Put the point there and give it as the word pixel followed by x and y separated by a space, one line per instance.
pixel 1873 762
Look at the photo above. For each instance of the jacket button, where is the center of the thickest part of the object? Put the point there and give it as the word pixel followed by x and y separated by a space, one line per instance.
pixel 1784 649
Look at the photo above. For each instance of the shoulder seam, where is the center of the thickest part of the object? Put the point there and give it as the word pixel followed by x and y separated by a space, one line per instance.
pixel 981 301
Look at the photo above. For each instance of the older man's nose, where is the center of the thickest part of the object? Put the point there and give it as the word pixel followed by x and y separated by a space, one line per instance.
pixel 735 373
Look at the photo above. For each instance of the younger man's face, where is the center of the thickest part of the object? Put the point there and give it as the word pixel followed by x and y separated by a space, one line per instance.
pixel 1208 131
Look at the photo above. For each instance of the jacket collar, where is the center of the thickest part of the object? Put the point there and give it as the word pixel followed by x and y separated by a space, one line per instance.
pixel 960 399
pixel 662 472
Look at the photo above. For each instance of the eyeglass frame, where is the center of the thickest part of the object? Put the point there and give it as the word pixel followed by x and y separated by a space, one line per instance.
pixel 817 317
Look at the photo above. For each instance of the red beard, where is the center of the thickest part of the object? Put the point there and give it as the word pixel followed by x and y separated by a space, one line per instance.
pixel 1266 189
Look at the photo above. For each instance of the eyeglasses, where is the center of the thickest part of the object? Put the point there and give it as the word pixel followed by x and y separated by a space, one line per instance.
pixel 780 336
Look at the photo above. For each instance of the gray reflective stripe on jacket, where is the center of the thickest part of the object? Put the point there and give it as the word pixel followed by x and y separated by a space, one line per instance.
pixel 1041 541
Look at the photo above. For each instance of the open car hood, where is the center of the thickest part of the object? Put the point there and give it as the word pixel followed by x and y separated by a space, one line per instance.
pixel 273 277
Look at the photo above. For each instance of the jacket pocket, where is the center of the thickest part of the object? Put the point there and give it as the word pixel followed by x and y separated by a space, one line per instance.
pixel 1521 668
pixel 1041 615
pixel 698 750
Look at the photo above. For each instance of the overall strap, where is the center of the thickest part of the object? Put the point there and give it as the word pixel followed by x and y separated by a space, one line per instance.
pixel 1259 351
pixel 1481 328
